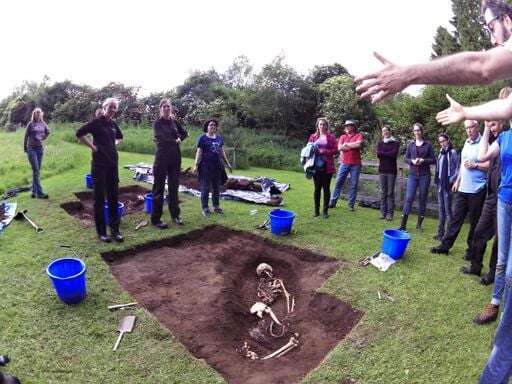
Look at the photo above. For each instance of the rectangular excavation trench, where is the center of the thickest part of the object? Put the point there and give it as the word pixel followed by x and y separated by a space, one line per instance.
pixel 202 284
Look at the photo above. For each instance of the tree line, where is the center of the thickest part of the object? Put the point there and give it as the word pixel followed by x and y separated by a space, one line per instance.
pixel 277 98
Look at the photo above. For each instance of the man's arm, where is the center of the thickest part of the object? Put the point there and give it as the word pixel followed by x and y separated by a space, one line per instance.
pixel 464 68
pixel 499 109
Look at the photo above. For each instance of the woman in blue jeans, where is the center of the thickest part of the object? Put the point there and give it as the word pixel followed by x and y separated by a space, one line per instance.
pixel 209 156
pixel 419 155
pixel 36 132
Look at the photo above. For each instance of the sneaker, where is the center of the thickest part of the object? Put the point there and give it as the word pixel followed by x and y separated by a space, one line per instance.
pixel 332 205
pixel 178 221
pixel 490 315
pixel 218 210
pixel 43 196
pixel 206 213
pixel 351 209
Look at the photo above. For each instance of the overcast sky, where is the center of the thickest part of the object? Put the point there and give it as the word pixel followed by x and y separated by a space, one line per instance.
pixel 155 44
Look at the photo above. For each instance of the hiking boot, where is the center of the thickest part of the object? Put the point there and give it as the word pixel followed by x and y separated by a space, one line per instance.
pixel 118 238
pixel 486 280
pixel 160 224
pixel 490 315
pixel 469 271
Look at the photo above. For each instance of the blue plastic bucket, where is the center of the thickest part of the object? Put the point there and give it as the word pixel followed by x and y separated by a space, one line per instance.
pixel 68 278
pixel 394 243
pixel 120 207
pixel 281 221
pixel 88 181
pixel 148 201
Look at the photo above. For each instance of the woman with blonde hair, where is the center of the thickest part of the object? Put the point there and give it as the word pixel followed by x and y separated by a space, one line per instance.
pixel 36 132
pixel 326 145
pixel 104 169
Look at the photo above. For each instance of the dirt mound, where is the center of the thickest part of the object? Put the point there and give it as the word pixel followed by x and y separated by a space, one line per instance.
pixel 132 197
pixel 201 285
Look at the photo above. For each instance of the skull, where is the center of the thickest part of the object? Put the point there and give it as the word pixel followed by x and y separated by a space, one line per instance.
pixel 264 268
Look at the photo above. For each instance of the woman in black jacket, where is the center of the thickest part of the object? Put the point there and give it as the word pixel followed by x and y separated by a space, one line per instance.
pixel 419 156
pixel 168 134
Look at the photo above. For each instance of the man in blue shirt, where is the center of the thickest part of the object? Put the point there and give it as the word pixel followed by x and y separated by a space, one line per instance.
pixel 470 191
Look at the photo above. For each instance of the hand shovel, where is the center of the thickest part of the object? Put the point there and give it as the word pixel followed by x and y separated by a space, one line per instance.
pixel 126 325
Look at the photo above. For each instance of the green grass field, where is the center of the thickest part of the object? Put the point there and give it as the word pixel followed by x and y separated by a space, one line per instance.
pixel 427 336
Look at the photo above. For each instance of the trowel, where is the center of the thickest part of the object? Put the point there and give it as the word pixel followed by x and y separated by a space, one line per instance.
pixel 126 325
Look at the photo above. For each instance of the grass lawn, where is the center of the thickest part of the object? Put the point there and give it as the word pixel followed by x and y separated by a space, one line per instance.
pixel 427 336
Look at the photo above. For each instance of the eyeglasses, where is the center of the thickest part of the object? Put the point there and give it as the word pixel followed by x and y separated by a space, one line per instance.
pixel 490 25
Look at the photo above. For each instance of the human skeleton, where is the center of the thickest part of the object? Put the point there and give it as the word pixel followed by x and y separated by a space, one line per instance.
pixel 270 288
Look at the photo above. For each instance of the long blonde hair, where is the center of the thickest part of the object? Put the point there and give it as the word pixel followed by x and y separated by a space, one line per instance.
pixel 33 118
pixel 324 119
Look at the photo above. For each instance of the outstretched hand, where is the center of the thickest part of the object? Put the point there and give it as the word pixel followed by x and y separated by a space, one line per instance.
pixel 378 85
pixel 451 115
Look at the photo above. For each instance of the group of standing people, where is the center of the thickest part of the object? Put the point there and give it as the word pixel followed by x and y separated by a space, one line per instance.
pixel 106 136
pixel 470 68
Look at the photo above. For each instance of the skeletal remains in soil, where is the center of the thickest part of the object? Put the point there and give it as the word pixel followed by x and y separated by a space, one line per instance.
pixel 269 289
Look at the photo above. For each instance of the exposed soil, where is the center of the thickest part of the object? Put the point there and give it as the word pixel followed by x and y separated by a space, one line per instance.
pixel 189 180
pixel 132 197
pixel 201 285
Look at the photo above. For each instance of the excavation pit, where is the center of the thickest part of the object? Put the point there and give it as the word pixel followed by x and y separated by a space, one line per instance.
pixel 132 197
pixel 202 284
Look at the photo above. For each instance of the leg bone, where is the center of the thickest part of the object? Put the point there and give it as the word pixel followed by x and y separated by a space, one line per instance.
pixel 292 343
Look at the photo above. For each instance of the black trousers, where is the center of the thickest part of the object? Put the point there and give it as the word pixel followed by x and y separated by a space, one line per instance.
pixel 465 204
pixel 105 182
pixel 322 180
pixel 161 171
pixel 484 231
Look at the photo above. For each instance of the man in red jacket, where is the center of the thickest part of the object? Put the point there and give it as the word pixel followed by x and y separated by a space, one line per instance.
pixel 349 145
